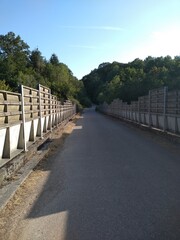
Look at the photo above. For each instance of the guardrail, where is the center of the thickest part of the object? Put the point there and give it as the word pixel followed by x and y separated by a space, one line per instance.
pixel 160 109
pixel 27 116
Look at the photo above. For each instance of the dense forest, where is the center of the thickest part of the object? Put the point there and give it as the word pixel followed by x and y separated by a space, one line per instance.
pixel 131 80
pixel 19 65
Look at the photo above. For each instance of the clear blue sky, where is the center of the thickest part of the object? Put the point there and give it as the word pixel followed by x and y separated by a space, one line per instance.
pixel 85 33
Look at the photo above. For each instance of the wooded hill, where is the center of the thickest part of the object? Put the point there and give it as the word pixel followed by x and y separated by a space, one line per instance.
pixel 19 65
pixel 129 81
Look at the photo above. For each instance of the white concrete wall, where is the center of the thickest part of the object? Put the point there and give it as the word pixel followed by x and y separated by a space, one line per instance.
pixel 27 131
pixel 14 137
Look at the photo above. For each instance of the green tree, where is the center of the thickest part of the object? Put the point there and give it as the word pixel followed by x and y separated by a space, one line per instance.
pixel 14 57
pixel 37 61
pixel 54 59
pixel 129 81
pixel 4 86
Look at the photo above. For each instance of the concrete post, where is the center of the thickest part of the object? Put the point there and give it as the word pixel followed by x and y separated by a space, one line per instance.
pixel 176 113
pixel 149 108
pixel 40 113
pixel 56 112
pixel 164 110
pixel 50 116
pixel 23 118
pixel 139 118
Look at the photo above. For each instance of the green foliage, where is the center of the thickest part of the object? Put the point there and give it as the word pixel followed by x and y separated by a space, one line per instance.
pixel 4 86
pixel 129 81
pixel 37 62
pixel 19 65
pixel 81 95
pixel 79 106
pixel 27 79
pixel 14 57
pixel 54 59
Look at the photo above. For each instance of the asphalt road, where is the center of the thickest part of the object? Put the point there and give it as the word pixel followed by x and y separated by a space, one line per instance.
pixel 109 182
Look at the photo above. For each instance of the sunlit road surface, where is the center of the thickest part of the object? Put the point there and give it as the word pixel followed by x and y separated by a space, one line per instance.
pixel 110 181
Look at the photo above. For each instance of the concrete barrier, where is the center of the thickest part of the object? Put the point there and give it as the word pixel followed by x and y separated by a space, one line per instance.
pixel 26 117
pixel 160 109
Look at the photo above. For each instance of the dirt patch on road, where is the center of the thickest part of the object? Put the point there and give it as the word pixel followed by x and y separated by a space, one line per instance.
pixel 13 214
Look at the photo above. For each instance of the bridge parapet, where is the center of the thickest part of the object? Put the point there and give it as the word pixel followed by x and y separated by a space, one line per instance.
pixel 160 109
pixel 28 116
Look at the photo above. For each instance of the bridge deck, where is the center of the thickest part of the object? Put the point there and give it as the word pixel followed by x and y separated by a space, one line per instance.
pixel 110 181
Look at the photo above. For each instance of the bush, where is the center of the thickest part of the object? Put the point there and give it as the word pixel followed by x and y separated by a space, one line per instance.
pixel 4 86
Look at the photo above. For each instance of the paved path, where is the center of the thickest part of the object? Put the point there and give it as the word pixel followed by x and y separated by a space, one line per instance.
pixel 110 182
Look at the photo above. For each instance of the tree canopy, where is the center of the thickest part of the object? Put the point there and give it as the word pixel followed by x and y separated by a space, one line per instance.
pixel 131 80
pixel 19 65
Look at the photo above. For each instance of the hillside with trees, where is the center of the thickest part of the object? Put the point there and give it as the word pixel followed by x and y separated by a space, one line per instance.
pixel 19 65
pixel 131 80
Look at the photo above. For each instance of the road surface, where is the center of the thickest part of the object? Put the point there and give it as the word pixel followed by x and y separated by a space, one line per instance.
pixel 110 181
